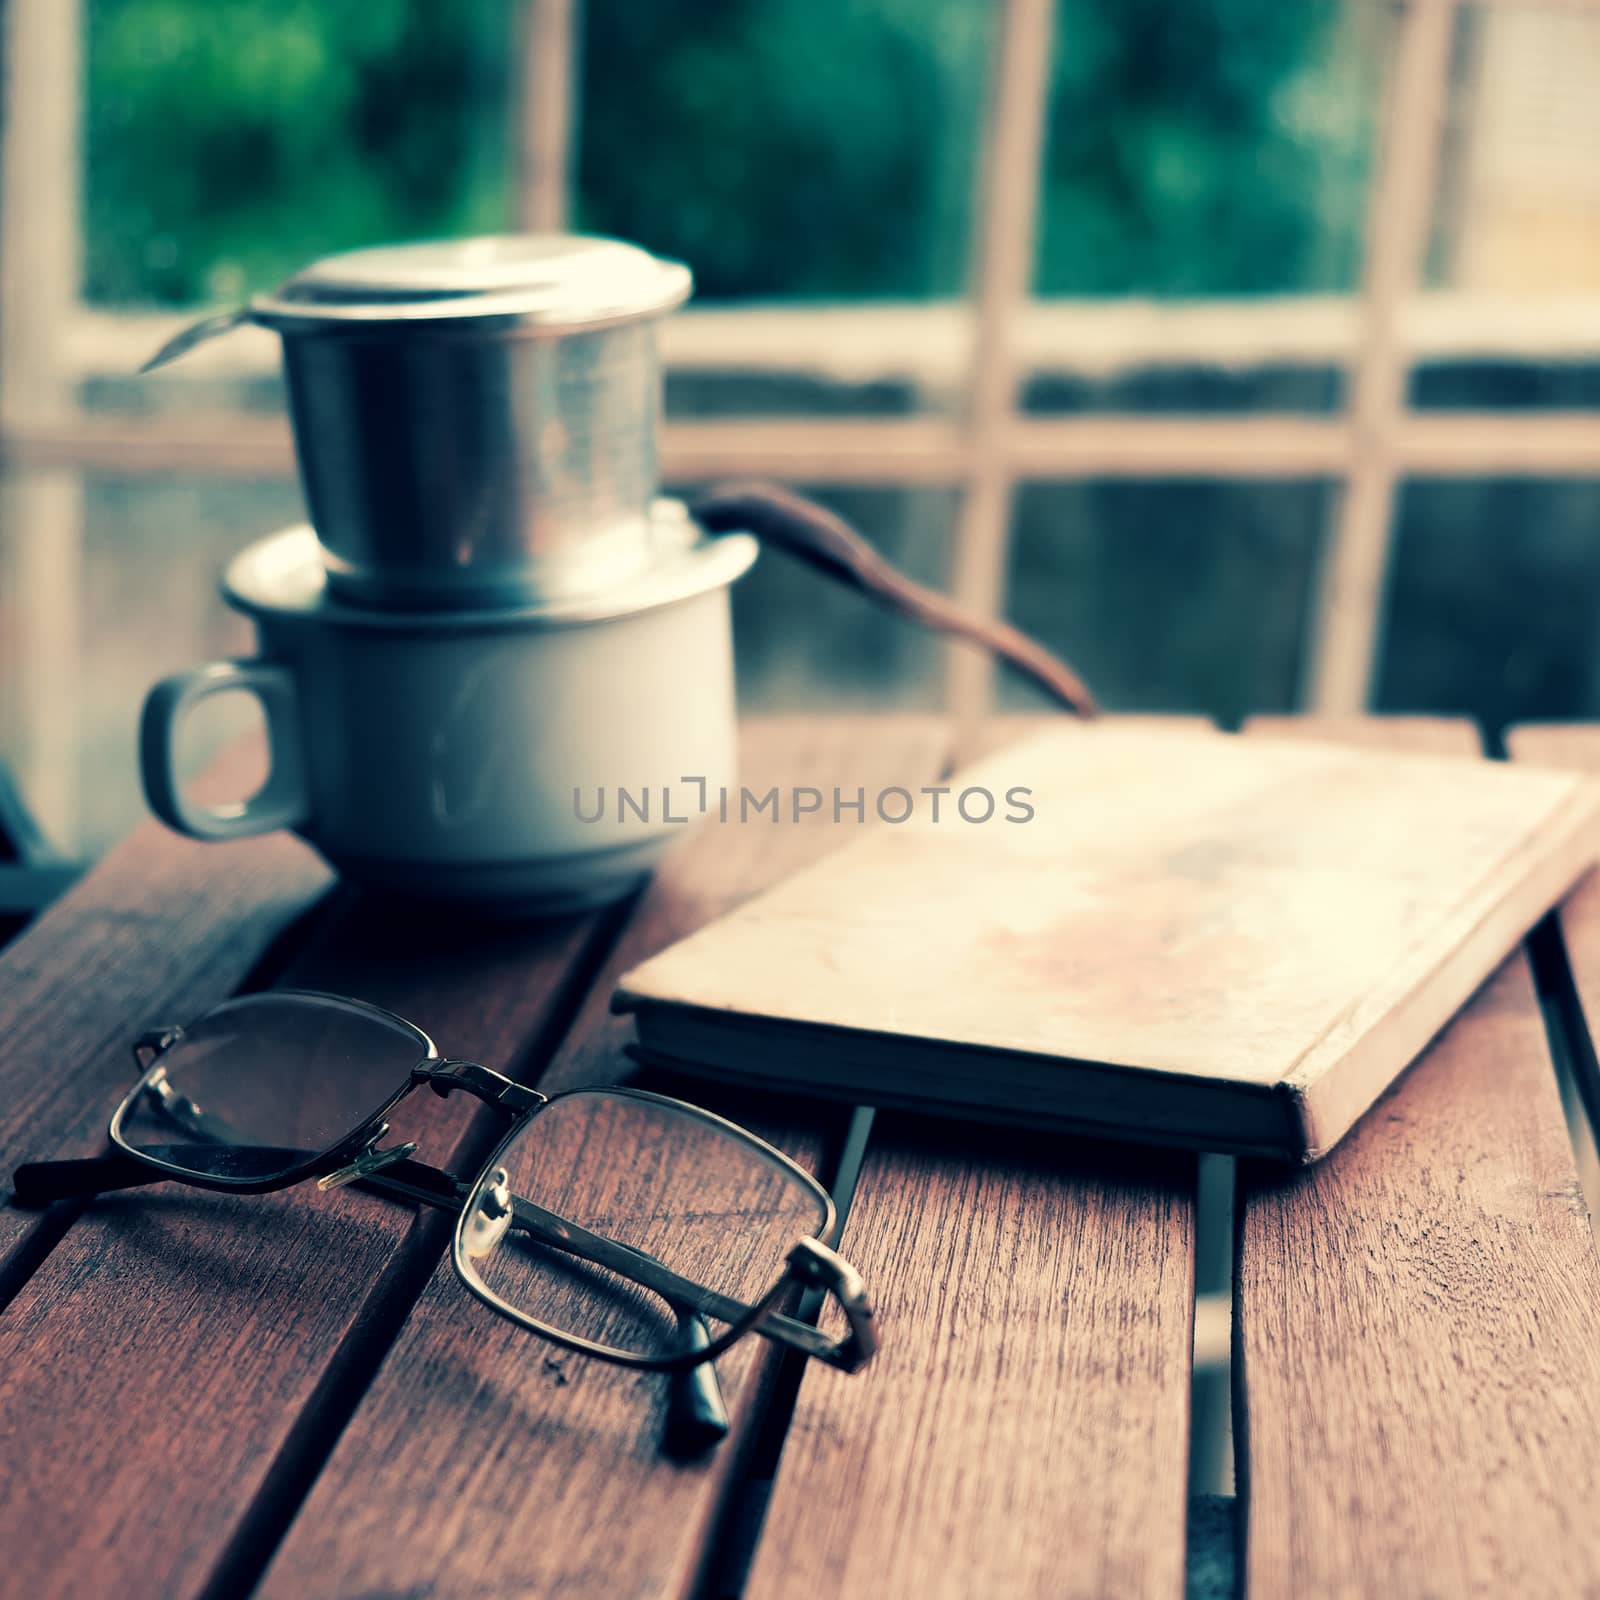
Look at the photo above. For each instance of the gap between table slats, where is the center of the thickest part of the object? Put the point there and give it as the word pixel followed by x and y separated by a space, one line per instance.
pixel 1572 955
pixel 1417 1353
pixel 1025 1428
pixel 482 1462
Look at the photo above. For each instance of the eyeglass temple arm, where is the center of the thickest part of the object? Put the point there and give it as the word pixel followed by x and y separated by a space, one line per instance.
pixel 39 1183
pixel 810 1262
pixel 697 1416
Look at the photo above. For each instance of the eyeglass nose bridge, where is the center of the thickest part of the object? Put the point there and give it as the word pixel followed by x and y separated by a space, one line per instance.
pixel 445 1077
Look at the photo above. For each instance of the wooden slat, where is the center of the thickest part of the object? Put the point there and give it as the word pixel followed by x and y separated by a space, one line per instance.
pixel 41 513
pixel 1005 203
pixel 1399 215
pixel 543 100
pixel 1576 1004
pixel 1574 748
pixel 170 1371
pixel 878 450
pixel 483 1463
pixel 927 343
pixel 1025 1428
pixel 1417 1354
pixel 162 928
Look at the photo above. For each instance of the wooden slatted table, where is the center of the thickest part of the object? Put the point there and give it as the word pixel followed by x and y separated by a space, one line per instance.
pixel 289 1396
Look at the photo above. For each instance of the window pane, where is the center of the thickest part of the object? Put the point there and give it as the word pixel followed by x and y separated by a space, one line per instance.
pixel 1215 149
pixel 1493 594
pixel 1142 380
pixel 1516 236
pixel 788 159
pixel 1520 191
pixel 1508 383
pixel 783 149
pixel 1179 596
pixel 816 362
pixel 154 550
pixel 229 141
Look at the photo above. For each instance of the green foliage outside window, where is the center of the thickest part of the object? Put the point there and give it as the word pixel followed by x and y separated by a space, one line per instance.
pixel 786 148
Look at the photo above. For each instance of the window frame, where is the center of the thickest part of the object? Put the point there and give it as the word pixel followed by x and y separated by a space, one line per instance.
pixel 983 448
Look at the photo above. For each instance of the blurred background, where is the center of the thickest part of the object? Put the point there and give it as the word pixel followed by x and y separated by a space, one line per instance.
pixel 1247 353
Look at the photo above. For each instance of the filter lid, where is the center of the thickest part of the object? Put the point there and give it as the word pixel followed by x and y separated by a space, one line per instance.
pixel 560 281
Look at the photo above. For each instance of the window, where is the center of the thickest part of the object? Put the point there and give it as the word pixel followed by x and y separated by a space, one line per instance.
pixel 1247 352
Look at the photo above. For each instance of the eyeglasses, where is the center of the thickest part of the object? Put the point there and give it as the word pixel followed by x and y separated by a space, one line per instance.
pixel 615 1222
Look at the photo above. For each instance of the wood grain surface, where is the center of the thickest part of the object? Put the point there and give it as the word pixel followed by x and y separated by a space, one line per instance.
pixel 210 1397
pixel 162 928
pixel 1417 1354
pixel 482 1462
pixel 1186 938
pixel 1024 1430
pixel 170 1372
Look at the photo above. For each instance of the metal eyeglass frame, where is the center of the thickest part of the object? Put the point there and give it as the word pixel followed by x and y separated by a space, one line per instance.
pixel 357 1158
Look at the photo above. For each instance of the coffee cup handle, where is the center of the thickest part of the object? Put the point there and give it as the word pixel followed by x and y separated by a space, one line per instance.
pixel 281 802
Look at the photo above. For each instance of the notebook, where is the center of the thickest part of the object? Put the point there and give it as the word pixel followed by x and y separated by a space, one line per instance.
pixel 1196 939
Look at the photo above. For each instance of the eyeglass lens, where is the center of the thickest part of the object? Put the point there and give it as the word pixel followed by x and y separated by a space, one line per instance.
pixel 262 1084
pixel 668 1185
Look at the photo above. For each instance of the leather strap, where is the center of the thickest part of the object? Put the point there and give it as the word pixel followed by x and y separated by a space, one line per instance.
pixel 826 542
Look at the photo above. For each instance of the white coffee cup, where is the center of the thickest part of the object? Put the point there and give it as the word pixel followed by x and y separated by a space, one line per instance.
pixel 456 755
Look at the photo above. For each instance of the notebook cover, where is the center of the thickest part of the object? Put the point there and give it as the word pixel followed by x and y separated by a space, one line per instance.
pixel 1195 938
